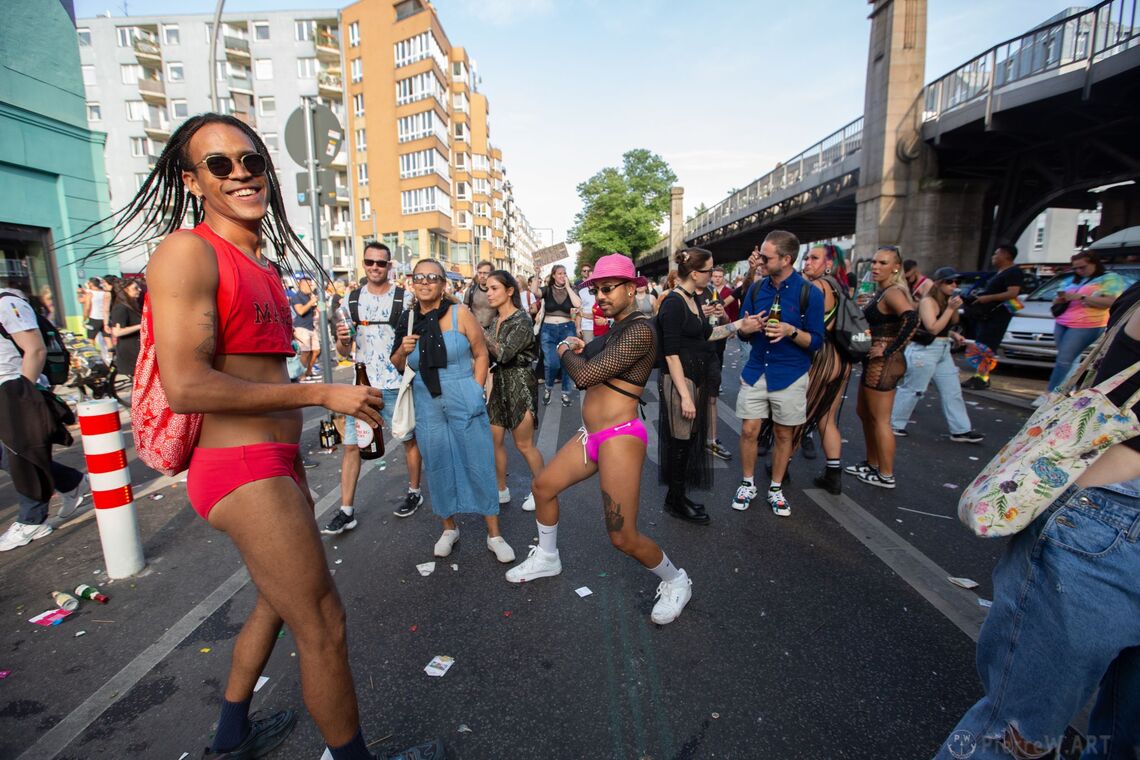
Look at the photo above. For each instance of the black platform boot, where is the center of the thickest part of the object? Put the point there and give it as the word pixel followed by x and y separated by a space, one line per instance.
pixel 676 503
pixel 831 481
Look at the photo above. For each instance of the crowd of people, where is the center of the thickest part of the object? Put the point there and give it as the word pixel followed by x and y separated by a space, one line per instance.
pixel 224 327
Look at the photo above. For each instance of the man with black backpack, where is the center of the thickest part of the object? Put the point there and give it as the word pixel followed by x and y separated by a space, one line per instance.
pixel 30 423
pixel 774 381
pixel 374 309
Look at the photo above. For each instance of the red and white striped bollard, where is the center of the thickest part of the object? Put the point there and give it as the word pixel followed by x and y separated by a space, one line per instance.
pixel 111 487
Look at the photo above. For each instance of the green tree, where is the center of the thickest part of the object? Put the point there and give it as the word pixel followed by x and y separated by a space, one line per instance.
pixel 623 207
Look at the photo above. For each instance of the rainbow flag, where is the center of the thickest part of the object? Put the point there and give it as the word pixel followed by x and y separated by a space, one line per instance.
pixel 1014 305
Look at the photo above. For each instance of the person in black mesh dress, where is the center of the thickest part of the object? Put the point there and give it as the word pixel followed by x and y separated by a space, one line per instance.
pixel 612 370
pixel 893 320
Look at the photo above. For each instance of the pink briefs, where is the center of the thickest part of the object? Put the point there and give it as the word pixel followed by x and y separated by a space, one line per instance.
pixel 592 442
pixel 216 473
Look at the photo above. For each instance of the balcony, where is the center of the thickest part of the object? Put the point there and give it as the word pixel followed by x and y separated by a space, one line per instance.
pixel 151 160
pixel 157 129
pixel 343 196
pixel 241 84
pixel 153 91
pixel 237 49
pixel 339 231
pixel 328 46
pixel 330 85
pixel 340 161
pixel 147 51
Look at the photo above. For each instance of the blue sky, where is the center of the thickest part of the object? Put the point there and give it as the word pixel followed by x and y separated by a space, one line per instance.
pixel 722 89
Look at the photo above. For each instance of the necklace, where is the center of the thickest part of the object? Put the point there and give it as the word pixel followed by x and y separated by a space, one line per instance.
pixel 690 295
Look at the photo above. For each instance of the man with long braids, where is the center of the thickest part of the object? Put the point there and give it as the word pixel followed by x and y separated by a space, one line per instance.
pixel 613 371
pixel 222 331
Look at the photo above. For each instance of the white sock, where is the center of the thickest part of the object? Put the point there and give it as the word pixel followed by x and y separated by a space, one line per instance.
pixel 416 491
pixel 346 509
pixel 547 537
pixel 666 571
pixel 750 480
pixel 775 486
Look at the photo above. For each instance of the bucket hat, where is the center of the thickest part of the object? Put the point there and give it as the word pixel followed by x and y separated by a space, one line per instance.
pixel 615 266
pixel 945 273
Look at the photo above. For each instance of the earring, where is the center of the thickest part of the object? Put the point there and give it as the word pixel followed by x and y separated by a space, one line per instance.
pixel 827 271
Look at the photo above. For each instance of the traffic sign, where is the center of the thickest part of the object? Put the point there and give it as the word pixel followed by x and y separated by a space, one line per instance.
pixel 328 135
pixel 326 187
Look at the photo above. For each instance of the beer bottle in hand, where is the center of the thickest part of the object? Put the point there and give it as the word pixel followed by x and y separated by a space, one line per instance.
pixel 369 439
pixel 775 311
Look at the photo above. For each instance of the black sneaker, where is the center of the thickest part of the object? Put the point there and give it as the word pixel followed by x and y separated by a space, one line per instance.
pixel 566 399
pixel 264 736
pixel 546 397
pixel 339 524
pixel 309 464
pixel 873 478
pixel 972 436
pixel 717 449
pixel 411 503
pixel 976 383
pixel 899 432
pixel 858 469
pixel 429 750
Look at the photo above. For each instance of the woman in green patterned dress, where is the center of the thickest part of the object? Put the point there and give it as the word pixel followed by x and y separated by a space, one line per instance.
pixel 513 403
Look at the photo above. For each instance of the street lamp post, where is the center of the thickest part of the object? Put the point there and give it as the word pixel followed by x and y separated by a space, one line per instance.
pixel 510 199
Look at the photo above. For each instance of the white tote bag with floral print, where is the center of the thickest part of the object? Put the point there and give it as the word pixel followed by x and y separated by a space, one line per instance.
pixel 404 412
pixel 1055 446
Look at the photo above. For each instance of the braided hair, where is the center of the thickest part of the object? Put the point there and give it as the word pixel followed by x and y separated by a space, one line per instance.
pixel 163 204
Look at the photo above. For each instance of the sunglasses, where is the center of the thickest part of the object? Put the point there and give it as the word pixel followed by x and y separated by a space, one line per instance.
pixel 605 290
pixel 950 282
pixel 375 263
pixel 706 271
pixel 430 277
pixel 223 166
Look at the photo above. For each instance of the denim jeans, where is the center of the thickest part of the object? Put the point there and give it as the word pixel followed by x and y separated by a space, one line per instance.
pixel 1065 618
pixel 549 337
pixel 1070 341
pixel 923 364
pixel 32 511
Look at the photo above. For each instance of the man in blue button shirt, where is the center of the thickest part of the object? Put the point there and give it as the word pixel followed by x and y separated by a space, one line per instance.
pixel 774 380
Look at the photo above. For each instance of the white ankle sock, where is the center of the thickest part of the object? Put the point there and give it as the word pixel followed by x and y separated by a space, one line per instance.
pixel 346 509
pixel 774 486
pixel 547 537
pixel 749 480
pixel 666 571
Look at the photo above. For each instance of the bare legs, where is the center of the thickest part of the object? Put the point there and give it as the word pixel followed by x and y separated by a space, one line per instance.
pixel 781 451
pixel 830 438
pixel 874 410
pixel 749 432
pixel 523 436
pixel 349 474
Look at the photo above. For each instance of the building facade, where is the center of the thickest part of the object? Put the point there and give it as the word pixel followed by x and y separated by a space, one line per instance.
pixel 144 75
pixel 52 178
pixel 428 181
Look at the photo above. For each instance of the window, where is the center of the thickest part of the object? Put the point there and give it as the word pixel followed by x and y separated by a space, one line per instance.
pixel 354 34
pixel 358 104
pixel 462 191
pixel 126 35
pixel 482 231
pixel 362 174
pixel 175 72
pixel 357 69
pixel 139 147
pixel 131 73
pixel 1039 238
pixel 458 72
pixel 263 68
pixel 459 102
pixel 424 199
pixel 423 162
pixel 412 242
pixel 307 68
pixel 418 87
pixel 226 106
pixel 463 219
pixel 361 140
pixel 88 75
pixel 483 210
pixel 170 34
pixel 179 109
pixel 305 30
pixel 482 186
pixel 270 139
pixel 84 37
pixel 261 30
pixel 419 125
pixel 136 110
pixel 417 48
pixel 94 112
pixel 461 132
pixel 461 162
pixel 480 163
pixel 365 208
pixel 267 106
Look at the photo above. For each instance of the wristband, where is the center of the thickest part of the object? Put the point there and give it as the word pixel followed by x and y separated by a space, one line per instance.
pixel 562 343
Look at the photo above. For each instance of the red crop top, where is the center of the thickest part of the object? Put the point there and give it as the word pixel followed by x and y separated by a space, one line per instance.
pixel 253 313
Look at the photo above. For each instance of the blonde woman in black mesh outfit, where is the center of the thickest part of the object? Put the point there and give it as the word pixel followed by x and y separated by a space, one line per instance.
pixel 893 320
pixel 612 370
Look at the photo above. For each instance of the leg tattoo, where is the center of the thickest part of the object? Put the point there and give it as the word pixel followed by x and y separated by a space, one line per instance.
pixel 614 518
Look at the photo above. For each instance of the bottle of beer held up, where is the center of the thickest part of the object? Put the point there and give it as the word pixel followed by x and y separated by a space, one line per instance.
pixel 775 311
pixel 369 439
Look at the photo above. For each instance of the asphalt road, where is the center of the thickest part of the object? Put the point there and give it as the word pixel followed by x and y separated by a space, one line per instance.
pixel 832 633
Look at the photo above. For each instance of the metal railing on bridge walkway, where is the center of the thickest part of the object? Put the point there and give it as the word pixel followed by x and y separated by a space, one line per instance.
pixel 1071 43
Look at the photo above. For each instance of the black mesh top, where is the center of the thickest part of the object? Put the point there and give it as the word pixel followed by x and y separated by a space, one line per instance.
pixel 627 352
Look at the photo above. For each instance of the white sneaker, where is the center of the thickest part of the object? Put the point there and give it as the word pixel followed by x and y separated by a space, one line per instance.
pixel 503 551
pixel 21 534
pixel 1040 400
pixel 528 503
pixel 73 498
pixel 445 542
pixel 672 596
pixel 744 495
pixel 538 564
pixel 778 503
pixel 505 496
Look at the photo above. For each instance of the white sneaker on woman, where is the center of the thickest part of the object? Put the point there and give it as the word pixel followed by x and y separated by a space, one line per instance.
pixel 672 596
pixel 528 502
pixel 505 496
pixel 538 564
pixel 502 550
pixel 445 542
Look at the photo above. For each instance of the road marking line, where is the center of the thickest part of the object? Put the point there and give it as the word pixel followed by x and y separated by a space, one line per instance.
pixel 919 571
pixel 52 743
pixel 928 514
pixel 548 430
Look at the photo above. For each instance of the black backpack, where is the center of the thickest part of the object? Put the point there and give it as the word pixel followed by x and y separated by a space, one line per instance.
pixel 852 334
pixel 393 318
pixel 57 364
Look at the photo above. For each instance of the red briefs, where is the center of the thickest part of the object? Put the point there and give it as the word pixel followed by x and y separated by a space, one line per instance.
pixel 215 473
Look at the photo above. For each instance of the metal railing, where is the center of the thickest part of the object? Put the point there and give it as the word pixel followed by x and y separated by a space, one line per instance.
pixel 1068 44
pixel 146 46
pixel 330 82
pixel 831 150
pixel 236 45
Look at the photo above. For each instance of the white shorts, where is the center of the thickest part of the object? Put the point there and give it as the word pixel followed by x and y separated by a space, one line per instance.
pixel 306 339
pixel 787 406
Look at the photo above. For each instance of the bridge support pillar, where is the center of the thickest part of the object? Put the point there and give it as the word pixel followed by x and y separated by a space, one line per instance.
pixel 676 223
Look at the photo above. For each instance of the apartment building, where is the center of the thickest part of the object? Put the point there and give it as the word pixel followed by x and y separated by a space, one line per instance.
pixel 144 75
pixel 428 180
